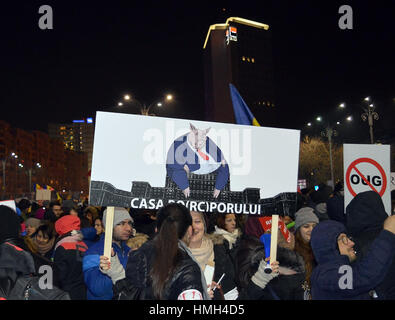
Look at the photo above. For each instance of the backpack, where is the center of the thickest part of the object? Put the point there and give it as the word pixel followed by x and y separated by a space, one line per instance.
pixel 27 287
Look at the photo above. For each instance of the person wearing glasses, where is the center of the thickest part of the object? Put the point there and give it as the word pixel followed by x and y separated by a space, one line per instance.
pixel 365 216
pixel 338 276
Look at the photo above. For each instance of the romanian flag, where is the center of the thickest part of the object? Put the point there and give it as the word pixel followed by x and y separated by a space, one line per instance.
pixel 49 188
pixel 243 114
pixel 36 186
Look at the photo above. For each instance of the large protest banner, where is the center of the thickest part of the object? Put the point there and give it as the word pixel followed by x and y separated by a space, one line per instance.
pixel 146 162
pixel 367 168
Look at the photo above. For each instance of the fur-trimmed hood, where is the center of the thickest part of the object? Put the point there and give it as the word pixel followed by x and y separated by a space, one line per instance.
pixel 219 239
pixel 290 261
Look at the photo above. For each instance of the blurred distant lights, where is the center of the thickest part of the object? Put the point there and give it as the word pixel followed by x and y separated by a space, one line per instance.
pixel 342 105
pixel 309 124
pixel 338 122
pixel 319 118
pixel 20 165
pixel 367 99
pixel 349 118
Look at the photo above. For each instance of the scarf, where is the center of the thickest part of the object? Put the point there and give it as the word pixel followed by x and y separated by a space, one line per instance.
pixel 182 246
pixel 75 236
pixel 231 237
pixel 205 254
pixel 42 249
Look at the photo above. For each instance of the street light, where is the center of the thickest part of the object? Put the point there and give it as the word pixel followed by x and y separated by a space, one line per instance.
pixel 144 110
pixel 370 115
pixel 4 162
pixel 329 132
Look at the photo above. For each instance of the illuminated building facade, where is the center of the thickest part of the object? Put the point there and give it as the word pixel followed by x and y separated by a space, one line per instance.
pixel 239 52
pixel 76 136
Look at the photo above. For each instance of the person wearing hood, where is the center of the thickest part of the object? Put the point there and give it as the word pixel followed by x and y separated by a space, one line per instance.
pixel 337 275
pixel 68 253
pixel 14 260
pixel 365 218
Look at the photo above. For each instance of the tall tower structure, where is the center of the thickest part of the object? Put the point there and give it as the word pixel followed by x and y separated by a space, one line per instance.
pixel 239 52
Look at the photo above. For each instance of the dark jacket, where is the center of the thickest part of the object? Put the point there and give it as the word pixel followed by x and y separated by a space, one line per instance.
pixel 99 285
pixel 14 262
pixel 186 276
pixel 366 273
pixel 335 208
pixel 68 262
pixel 289 284
pixel 224 260
pixel 365 218
pixel 68 253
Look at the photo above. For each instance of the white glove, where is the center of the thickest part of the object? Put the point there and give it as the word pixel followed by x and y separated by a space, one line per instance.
pixel 116 271
pixel 260 278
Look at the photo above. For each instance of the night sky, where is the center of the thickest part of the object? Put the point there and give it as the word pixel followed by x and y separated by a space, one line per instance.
pixel 100 50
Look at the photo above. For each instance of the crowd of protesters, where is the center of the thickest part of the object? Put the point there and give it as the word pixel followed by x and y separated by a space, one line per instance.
pixel 323 252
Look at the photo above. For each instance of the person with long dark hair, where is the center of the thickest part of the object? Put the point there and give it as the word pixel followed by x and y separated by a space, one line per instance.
pixel 305 222
pixel 164 268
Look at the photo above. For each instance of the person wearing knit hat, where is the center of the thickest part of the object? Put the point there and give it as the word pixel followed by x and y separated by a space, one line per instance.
pixel 99 278
pixel 31 225
pixel 68 253
pixel 120 214
pixel 303 217
pixel 305 221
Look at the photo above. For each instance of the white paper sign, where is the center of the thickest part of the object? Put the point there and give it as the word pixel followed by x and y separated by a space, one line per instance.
pixel 367 168
pixel 9 203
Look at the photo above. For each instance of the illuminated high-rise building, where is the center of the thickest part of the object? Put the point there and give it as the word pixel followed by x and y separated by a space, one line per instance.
pixel 76 136
pixel 239 52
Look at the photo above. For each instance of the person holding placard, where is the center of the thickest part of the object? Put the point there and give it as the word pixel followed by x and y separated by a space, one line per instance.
pixel 252 281
pixel 99 273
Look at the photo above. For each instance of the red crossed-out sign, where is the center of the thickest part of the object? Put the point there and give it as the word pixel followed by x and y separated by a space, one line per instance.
pixel 353 165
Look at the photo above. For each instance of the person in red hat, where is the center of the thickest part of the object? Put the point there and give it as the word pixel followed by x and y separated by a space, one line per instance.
pixel 69 251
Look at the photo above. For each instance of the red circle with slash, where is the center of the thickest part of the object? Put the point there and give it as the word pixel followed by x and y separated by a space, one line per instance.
pixel 374 163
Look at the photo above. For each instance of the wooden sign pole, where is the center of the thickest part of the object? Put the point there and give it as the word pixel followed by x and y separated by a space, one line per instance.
pixel 108 232
pixel 273 238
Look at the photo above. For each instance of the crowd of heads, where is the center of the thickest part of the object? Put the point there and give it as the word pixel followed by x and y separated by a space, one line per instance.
pixel 314 231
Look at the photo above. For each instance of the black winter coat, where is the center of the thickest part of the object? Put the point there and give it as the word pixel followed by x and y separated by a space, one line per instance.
pixel 138 283
pixel 224 259
pixel 68 262
pixel 365 216
pixel 287 286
